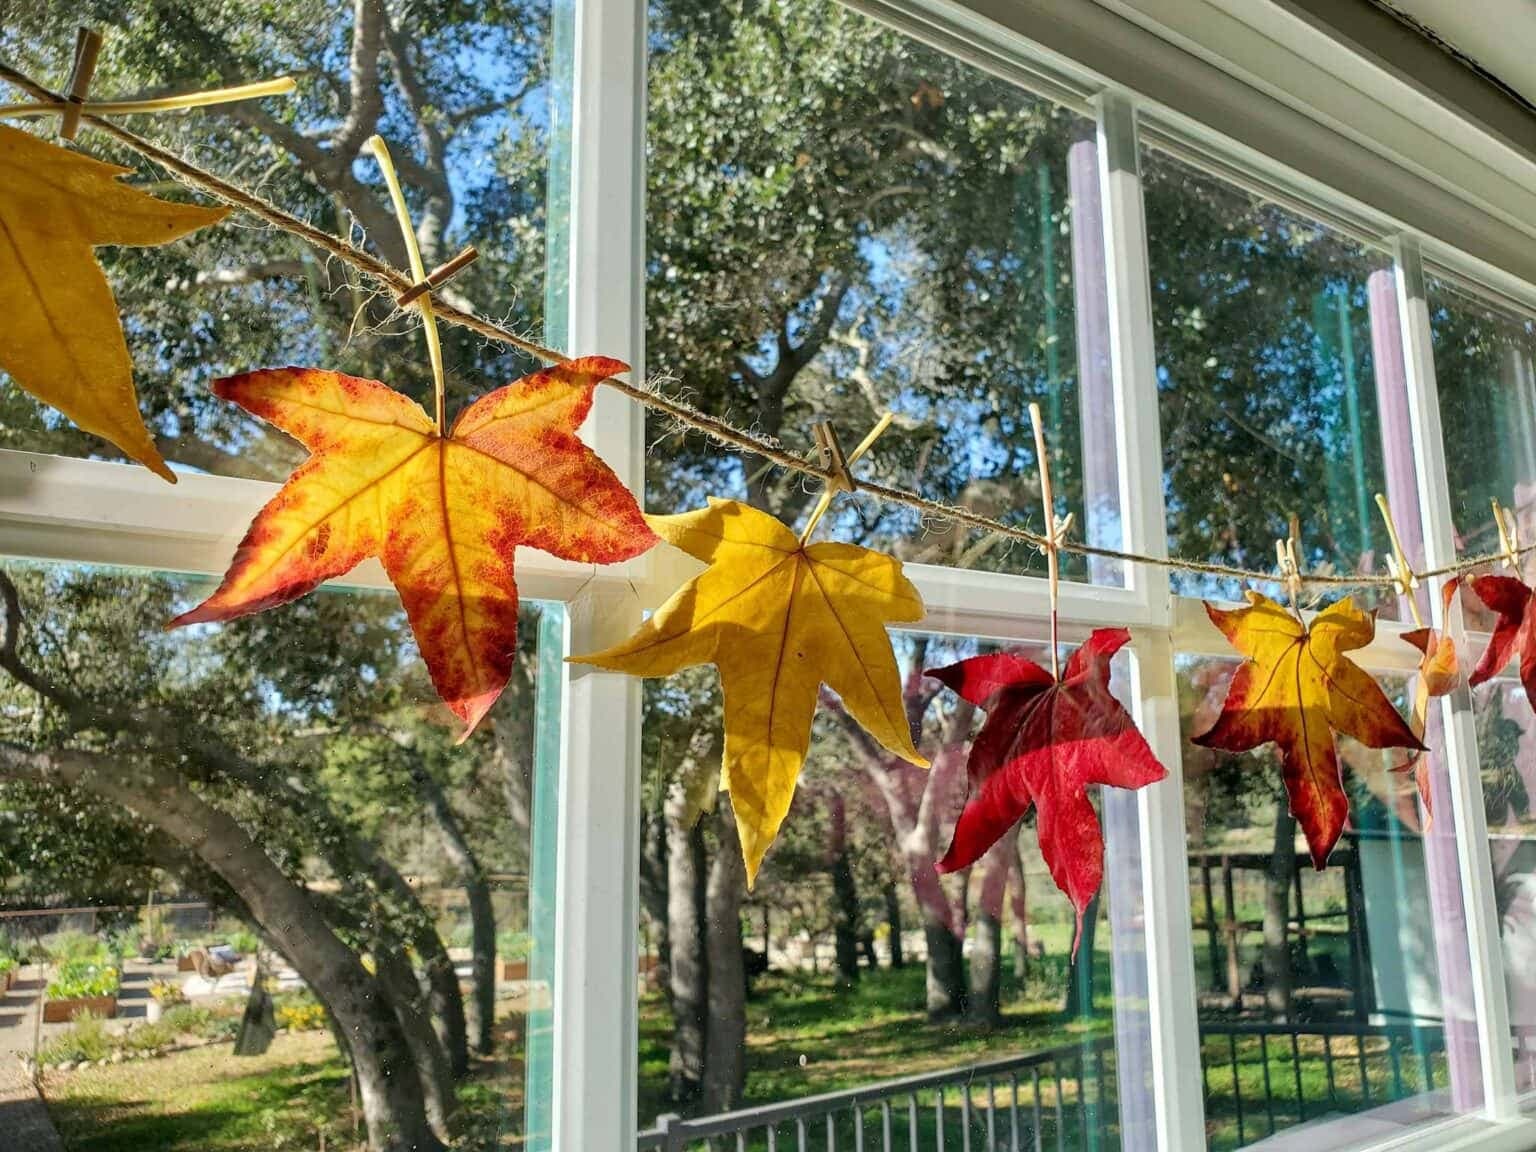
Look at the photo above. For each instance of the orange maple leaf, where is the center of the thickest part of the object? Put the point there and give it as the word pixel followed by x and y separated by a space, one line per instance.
pixel 444 514
pixel 1296 689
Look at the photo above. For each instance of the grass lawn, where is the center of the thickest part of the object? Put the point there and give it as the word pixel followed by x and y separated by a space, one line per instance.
pixel 806 1036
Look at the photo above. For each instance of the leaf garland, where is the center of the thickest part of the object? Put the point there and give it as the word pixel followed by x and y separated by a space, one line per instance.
pixel 1043 744
pixel 1295 689
pixel 778 618
pixel 62 340
pixel 444 514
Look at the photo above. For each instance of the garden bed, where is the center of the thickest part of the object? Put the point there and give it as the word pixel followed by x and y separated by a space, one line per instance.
pixel 66 1011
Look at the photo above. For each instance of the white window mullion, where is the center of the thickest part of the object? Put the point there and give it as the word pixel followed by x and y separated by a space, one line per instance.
pixel 1173 1021
pixel 597 882
pixel 1459 737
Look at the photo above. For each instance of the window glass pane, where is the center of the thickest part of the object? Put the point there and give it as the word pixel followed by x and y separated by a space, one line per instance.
pixel 1484 369
pixel 1486 380
pixel 274 803
pixel 840 222
pixel 852 963
pixel 1274 337
pixel 1328 998
pixel 459 91
pixel 1507 761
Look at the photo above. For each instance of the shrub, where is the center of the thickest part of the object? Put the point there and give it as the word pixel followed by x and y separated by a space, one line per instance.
pixel 147 1037
pixel 77 946
pixel 201 1020
pixel 83 979
pixel 7 964
pixel 87 1039
pixel 167 992
pixel 514 945
pixel 244 942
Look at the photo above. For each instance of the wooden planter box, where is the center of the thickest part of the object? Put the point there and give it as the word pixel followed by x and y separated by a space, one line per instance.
pixel 514 969
pixel 63 1011
pixel 184 964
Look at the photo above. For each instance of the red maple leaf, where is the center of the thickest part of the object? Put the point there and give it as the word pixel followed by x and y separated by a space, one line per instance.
pixel 1514 634
pixel 1043 743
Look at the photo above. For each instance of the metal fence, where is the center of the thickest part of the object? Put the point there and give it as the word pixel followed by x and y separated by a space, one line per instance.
pixel 1057 1099
pixel 1259 1078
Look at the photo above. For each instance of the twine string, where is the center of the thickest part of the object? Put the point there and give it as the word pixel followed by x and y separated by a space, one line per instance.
pixel 397 283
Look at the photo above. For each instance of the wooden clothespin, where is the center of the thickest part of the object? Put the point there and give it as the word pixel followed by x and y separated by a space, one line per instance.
pixel 1290 569
pixel 439 276
pixel 1056 528
pixel 1509 535
pixel 839 465
pixel 1397 564
pixel 87 49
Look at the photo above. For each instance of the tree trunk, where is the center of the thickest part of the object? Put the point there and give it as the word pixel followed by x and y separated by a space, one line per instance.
pixel 725 1071
pixel 1277 914
pixel 946 968
pixel 893 923
pixel 845 896
pixel 480 1016
pixel 394 1107
pixel 654 887
pixel 689 970
pixel 432 1064
pixel 984 1006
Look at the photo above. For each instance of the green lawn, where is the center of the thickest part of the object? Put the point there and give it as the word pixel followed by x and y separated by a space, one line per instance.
pixel 805 1036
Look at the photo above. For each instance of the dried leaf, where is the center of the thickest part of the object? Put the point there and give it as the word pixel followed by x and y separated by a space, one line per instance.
pixel 1296 689
pixel 1437 675
pixel 62 340
pixel 444 515
pixel 1512 635
pixel 1045 743
pixel 778 619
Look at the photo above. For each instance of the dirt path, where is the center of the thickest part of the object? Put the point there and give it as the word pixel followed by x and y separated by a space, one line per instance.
pixel 23 1116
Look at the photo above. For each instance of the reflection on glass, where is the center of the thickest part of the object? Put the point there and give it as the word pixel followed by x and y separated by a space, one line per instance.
pixel 853 964
pixel 1506 730
pixel 842 222
pixel 1486 380
pixel 1279 380
pixel 460 92
pixel 1328 998
pixel 264 832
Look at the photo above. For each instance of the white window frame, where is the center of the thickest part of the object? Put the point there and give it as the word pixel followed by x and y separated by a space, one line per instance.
pixel 1184 70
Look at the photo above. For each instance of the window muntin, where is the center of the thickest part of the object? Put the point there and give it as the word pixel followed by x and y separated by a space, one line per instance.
pixel 861 223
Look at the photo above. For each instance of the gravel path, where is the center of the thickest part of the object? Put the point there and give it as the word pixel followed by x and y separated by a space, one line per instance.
pixel 23 1117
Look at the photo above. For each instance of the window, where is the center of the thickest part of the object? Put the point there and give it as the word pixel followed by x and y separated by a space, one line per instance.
pixel 928 214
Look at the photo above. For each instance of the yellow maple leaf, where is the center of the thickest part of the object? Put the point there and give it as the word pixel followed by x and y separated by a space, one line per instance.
pixel 62 340
pixel 778 619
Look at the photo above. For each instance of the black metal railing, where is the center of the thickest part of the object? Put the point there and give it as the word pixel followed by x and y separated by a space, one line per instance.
pixel 1057 1099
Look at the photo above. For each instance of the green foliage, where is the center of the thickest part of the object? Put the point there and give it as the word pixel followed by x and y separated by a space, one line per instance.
pixel 86 1039
pixel 514 945
pixel 83 980
pixel 69 946
pixel 245 942
pixel 221 1022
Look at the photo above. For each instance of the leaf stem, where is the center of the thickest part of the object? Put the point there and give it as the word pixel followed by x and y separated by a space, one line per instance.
pixel 281 86
pixel 422 303
pixel 1052 537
